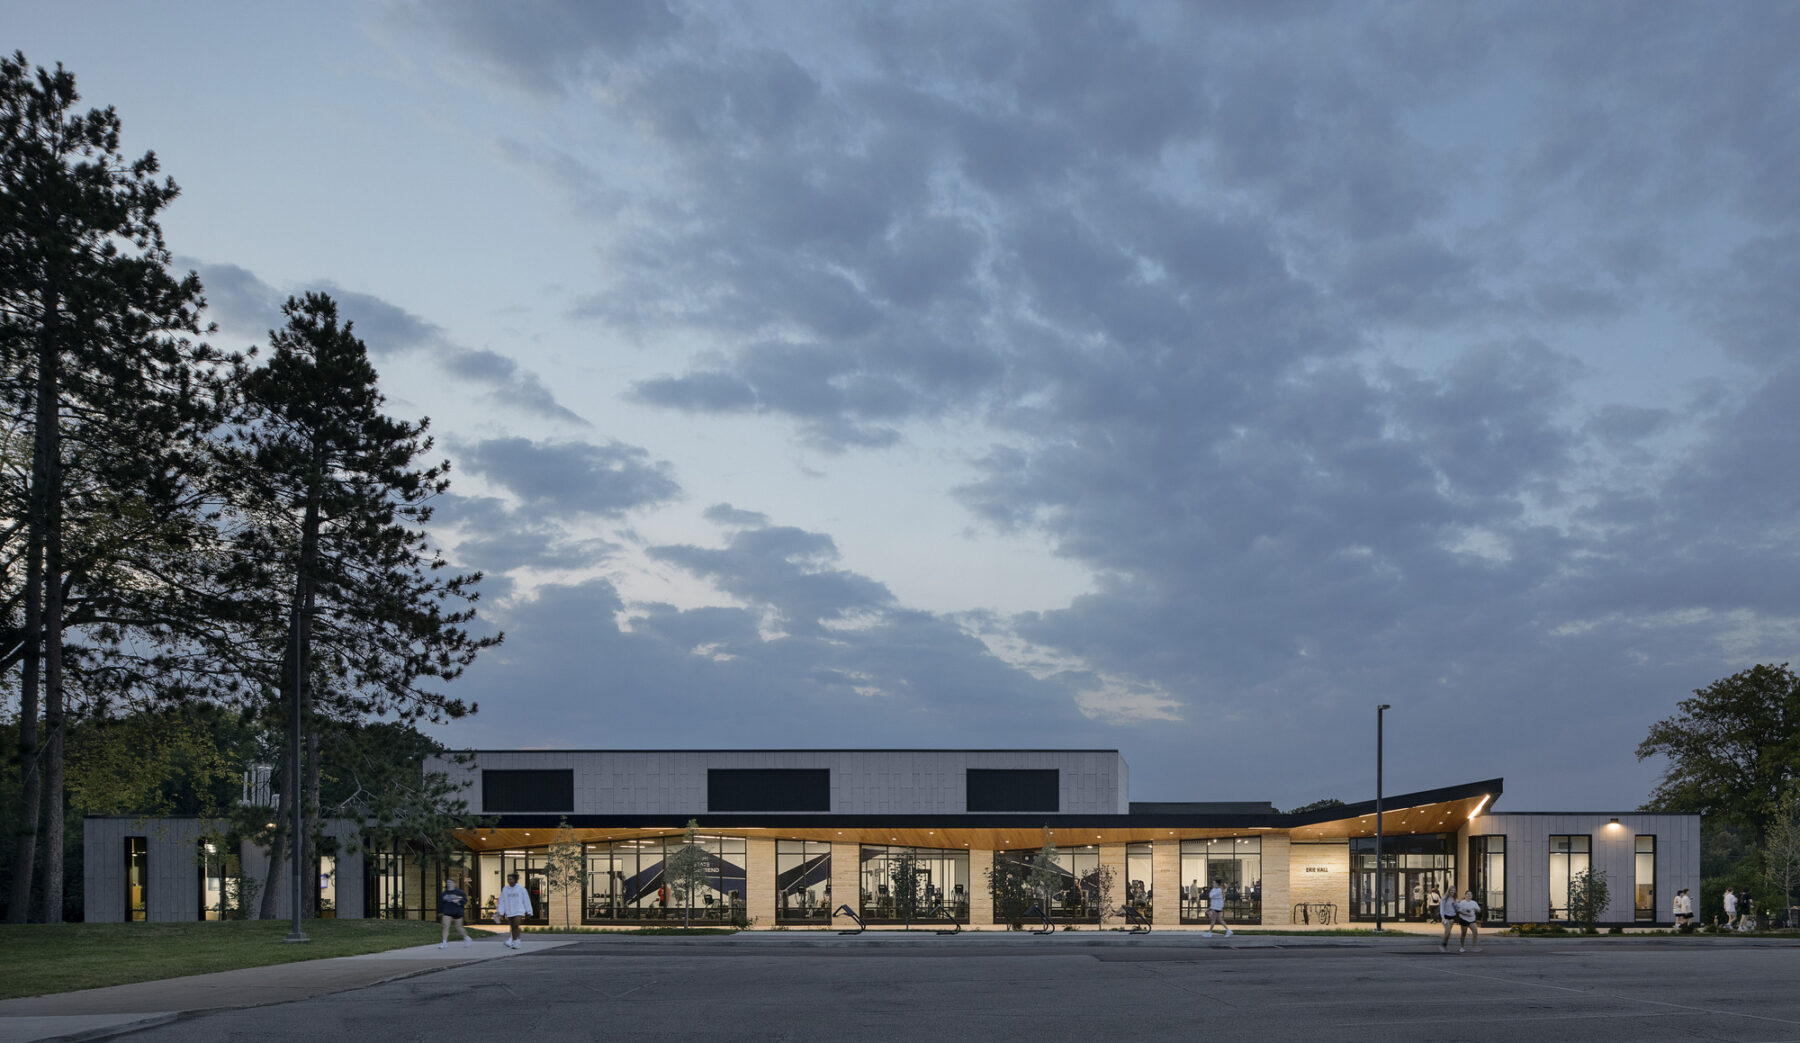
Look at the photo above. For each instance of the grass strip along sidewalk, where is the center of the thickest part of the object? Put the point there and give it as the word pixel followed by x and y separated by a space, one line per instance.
pixel 67 957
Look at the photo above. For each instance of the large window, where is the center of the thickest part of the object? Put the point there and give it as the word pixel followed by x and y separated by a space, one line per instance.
pixel 945 881
pixel 625 882
pixel 399 883
pixel 219 881
pixel 1138 878
pixel 768 789
pixel 1236 862
pixel 802 882
pixel 137 879
pixel 536 790
pixel 1487 875
pixel 1414 868
pixel 1013 790
pixel 1644 863
pixel 1568 860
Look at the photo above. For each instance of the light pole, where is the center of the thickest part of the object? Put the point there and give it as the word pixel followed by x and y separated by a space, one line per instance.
pixel 295 934
pixel 1379 894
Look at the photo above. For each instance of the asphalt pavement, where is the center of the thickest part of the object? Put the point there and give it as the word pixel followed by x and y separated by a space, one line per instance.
pixel 791 985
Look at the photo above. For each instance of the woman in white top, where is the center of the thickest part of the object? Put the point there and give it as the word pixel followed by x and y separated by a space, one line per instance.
pixel 1467 911
pixel 515 905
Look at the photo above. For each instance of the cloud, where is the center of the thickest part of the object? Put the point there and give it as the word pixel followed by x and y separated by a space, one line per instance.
pixel 562 479
pixel 1354 351
pixel 246 306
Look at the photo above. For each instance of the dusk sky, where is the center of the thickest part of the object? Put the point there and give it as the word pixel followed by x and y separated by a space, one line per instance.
pixel 1185 379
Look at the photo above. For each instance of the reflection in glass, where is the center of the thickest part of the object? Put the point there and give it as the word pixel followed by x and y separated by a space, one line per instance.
pixel 1236 862
pixel 802 882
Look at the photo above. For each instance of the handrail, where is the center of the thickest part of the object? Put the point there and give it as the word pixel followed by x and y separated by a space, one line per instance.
pixel 954 922
pixel 1139 925
pixel 1049 928
pixel 860 926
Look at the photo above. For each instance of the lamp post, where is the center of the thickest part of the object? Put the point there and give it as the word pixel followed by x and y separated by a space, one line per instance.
pixel 295 934
pixel 1379 895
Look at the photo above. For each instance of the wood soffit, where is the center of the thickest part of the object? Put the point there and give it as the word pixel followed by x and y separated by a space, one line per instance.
pixel 1444 817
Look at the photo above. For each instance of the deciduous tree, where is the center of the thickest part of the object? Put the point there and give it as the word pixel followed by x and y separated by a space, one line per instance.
pixel 687 869
pixel 1732 749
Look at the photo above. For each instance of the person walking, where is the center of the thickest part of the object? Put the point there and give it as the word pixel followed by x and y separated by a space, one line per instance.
pixel 1215 910
pixel 1731 912
pixel 515 905
pixel 1467 912
pixel 451 905
pixel 1447 913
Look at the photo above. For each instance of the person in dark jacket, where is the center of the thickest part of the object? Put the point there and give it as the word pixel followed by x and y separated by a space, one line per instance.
pixel 450 911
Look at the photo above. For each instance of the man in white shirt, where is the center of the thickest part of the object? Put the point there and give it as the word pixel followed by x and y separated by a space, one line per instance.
pixel 515 905
pixel 1730 908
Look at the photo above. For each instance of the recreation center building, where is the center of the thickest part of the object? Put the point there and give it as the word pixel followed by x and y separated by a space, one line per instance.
pixel 792 837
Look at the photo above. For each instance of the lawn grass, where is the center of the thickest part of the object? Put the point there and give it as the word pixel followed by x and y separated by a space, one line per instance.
pixel 46 958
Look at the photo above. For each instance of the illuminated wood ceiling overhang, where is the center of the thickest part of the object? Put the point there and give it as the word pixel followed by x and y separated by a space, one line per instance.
pixel 1431 811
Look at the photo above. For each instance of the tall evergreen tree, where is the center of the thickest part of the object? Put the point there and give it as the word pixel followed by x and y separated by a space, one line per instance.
pixel 95 364
pixel 326 504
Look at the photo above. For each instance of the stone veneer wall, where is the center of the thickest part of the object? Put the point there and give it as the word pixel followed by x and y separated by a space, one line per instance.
pixel 981 897
pixel 1277 907
pixel 846 880
pixel 1165 882
pixel 759 882
pixel 1319 873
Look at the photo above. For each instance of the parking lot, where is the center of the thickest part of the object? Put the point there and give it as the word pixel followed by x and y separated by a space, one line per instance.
pixel 804 987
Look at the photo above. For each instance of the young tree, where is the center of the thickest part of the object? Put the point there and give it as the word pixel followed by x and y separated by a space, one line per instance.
pixel 95 365
pixel 1589 896
pixel 327 505
pixel 563 866
pixel 907 879
pixel 1007 883
pixel 1104 883
pixel 1045 877
pixel 687 870
pixel 1781 856
pixel 1731 749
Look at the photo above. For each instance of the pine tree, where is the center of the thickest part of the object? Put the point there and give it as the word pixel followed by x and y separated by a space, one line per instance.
pixel 326 505
pixel 95 364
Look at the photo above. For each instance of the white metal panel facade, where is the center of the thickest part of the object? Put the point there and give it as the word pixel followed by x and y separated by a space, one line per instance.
pixel 1612 851
pixel 871 782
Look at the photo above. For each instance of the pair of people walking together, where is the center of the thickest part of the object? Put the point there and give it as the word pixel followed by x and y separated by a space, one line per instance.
pixel 1461 914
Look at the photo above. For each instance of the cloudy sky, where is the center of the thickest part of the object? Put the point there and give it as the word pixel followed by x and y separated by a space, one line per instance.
pixel 1186 379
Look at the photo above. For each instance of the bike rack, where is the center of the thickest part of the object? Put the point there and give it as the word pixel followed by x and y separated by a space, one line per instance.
pixel 860 926
pixel 1139 925
pixel 1049 928
pixel 954 922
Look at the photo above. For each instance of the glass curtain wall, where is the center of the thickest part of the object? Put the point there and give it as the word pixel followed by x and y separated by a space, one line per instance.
pixel 1487 876
pixel 802 882
pixel 1644 859
pixel 1413 869
pixel 1076 897
pixel 1568 859
pixel 946 881
pixel 1137 878
pixel 401 884
pixel 1236 862
pixel 625 882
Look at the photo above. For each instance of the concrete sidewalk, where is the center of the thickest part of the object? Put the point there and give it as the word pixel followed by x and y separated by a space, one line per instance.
pixel 98 1013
